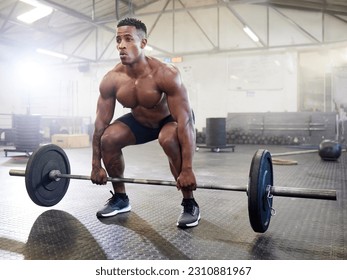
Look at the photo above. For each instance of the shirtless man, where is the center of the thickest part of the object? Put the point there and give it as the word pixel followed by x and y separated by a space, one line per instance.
pixel 160 110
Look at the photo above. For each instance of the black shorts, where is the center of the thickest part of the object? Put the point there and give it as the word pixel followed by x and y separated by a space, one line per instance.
pixel 143 134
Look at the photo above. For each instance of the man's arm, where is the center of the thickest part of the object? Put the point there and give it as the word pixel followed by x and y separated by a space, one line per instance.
pixel 178 102
pixel 104 114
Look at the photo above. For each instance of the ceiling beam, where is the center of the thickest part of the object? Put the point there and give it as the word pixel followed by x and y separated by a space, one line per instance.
pixel 297 26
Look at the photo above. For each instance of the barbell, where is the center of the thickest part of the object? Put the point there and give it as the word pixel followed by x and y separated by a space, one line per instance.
pixel 47 177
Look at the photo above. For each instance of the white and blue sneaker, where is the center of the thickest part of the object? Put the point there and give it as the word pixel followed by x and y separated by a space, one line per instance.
pixel 115 205
pixel 190 215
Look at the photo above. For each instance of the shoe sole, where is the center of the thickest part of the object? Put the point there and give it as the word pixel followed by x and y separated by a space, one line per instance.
pixel 194 224
pixel 114 213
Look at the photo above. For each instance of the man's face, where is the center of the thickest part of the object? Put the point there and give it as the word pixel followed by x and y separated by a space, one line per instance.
pixel 130 44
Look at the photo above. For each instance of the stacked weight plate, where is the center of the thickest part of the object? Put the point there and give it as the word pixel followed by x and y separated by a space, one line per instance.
pixel 26 132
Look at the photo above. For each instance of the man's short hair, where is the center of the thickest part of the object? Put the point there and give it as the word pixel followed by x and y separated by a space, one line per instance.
pixel 138 24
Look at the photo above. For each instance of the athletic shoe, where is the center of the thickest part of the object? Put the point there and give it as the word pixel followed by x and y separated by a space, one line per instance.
pixel 190 215
pixel 115 205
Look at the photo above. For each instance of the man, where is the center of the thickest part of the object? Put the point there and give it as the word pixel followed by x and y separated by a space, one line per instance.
pixel 160 110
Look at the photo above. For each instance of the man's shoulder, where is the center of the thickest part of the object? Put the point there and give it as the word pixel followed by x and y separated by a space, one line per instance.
pixel 109 81
pixel 114 72
pixel 118 68
pixel 162 67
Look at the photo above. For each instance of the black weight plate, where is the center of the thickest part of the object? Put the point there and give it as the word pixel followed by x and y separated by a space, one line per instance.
pixel 42 190
pixel 259 205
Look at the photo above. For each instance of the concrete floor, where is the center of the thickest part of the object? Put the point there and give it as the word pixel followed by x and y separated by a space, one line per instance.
pixel 303 229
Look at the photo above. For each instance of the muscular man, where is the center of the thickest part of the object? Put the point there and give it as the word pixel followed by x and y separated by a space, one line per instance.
pixel 160 110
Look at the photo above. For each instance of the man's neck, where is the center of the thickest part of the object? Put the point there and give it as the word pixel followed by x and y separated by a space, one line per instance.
pixel 138 68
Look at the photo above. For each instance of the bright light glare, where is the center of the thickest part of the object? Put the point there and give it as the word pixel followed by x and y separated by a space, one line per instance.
pixel 35 14
pixel 251 34
pixel 148 48
pixel 32 3
pixel 30 73
pixel 51 53
pixel 40 11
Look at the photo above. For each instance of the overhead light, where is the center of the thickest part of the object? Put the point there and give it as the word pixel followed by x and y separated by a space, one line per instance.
pixel 52 53
pixel 33 3
pixel 35 14
pixel 39 11
pixel 251 34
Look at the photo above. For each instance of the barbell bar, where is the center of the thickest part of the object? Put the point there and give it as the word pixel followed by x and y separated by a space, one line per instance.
pixel 47 177
pixel 56 175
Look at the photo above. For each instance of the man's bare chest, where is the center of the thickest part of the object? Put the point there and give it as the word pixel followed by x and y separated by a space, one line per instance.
pixel 139 92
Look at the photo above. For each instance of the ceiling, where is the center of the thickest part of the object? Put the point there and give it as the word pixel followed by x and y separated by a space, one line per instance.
pixel 76 27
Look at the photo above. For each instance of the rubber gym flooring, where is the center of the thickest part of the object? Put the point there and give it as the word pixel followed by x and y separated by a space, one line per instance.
pixel 302 229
